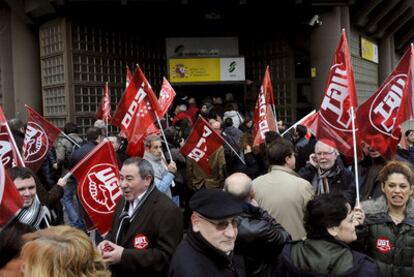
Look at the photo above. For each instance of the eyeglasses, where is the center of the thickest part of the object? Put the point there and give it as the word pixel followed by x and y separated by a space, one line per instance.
pixel 222 224
pixel 320 154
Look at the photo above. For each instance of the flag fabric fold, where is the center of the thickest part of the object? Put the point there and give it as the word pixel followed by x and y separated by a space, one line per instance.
pixel 201 143
pixel 10 200
pixel 264 119
pixel 39 138
pixel 104 110
pixel 333 120
pixel 98 185
pixel 9 153
pixel 380 117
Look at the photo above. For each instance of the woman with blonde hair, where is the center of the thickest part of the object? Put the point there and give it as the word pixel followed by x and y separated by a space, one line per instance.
pixel 61 251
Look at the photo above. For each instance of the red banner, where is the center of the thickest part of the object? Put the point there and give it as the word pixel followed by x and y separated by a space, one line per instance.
pixel 334 121
pixel 263 118
pixel 166 97
pixel 137 149
pixel 39 138
pixel 381 116
pixel 98 185
pixel 9 153
pixel 104 110
pixel 10 200
pixel 201 143
pixel 137 108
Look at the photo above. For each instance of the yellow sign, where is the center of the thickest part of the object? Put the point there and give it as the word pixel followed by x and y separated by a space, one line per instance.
pixel 369 50
pixel 195 70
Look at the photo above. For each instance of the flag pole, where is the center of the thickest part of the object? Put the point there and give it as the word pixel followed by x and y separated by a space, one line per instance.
pixel 163 136
pixel 298 122
pixel 355 157
pixel 69 138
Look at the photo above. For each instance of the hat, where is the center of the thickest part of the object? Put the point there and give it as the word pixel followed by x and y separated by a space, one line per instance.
pixel 215 204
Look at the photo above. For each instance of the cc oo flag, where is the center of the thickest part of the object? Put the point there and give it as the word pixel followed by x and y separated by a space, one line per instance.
pixel 381 116
pixel 98 185
pixel 39 138
pixel 201 143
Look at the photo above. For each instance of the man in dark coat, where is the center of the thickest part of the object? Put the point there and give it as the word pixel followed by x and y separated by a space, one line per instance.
pixel 146 228
pixel 260 238
pixel 208 248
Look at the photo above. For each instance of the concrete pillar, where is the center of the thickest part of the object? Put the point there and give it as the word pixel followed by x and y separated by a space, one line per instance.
pixel 19 64
pixel 323 42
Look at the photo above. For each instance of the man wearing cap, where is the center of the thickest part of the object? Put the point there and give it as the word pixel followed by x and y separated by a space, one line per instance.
pixel 208 248
pixel 327 173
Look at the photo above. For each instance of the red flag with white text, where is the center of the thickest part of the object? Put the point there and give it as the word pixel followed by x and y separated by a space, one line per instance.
pixel 39 138
pixel 137 108
pixel 334 116
pixel 10 199
pixel 263 118
pixel 166 97
pixel 104 110
pixel 381 116
pixel 201 143
pixel 98 185
pixel 9 153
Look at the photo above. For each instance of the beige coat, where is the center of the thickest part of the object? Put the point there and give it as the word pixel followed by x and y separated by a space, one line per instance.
pixel 284 195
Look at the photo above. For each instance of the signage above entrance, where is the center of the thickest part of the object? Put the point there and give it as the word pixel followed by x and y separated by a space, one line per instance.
pixel 187 70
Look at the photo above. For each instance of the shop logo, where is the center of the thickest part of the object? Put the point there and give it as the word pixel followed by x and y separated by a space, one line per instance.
pixel 232 66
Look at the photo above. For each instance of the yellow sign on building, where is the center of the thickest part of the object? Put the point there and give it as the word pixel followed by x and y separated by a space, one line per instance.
pixel 369 50
pixel 194 70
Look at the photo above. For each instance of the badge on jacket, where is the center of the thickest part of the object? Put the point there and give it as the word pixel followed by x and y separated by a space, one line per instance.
pixel 141 241
pixel 384 245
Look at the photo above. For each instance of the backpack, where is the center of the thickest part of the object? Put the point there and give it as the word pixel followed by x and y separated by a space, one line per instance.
pixel 67 162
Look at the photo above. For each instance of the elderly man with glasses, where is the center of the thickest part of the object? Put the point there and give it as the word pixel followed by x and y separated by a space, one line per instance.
pixel 327 173
pixel 208 248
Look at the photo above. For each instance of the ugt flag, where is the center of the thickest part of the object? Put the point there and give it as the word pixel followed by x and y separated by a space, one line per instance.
pixel 381 116
pixel 10 200
pixel 137 108
pixel 264 119
pixel 39 138
pixel 98 185
pixel 9 153
pixel 201 143
pixel 334 116
pixel 104 110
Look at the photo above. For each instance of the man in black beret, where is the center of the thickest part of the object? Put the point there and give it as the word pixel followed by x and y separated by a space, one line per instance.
pixel 208 248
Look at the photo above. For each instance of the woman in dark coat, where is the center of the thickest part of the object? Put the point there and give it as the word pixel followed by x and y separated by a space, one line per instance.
pixel 330 226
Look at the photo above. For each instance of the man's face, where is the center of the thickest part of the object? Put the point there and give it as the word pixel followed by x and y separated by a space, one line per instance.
pixel 156 148
pixel 132 185
pixel 219 233
pixel 410 137
pixel 325 155
pixel 27 190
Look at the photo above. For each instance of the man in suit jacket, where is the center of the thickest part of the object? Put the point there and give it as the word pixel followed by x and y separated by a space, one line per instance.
pixel 146 228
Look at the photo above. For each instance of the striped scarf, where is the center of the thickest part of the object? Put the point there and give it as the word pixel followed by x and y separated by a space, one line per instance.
pixel 35 215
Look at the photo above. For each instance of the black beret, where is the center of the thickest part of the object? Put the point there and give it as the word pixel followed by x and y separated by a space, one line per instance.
pixel 215 204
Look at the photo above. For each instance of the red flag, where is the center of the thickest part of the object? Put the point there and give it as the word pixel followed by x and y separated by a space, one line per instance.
pixel 39 138
pixel 98 185
pixel 128 77
pixel 104 111
pixel 10 200
pixel 137 108
pixel 201 143
pixel 9 153
pixel 334 116
pixel 263 118
pixel 166 97
pixel 383 113
pixel 137 149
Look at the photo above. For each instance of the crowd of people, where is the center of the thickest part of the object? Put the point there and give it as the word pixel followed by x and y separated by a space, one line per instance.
pixel 285 208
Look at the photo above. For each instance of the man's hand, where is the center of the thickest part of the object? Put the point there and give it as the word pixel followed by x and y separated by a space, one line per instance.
pixel 111 253
pixel 62 182
pixel 359 215
pixel 313 160
pixel 172 167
